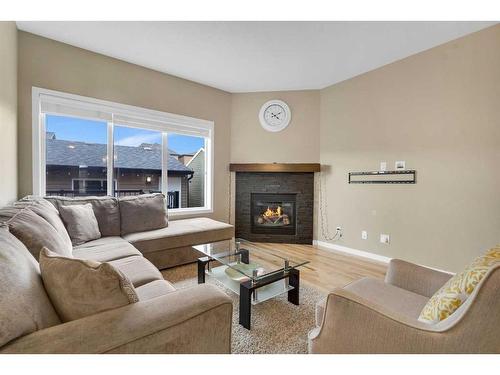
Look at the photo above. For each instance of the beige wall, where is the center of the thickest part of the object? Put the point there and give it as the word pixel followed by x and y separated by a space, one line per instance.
pixel 437 110
pixel 8 112
pixel 440 112
pixel 49 64
pixel 298 143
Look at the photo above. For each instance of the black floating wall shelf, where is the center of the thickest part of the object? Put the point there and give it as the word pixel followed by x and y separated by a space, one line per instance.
pixel 383 177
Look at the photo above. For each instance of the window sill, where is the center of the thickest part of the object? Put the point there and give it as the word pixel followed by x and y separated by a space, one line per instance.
pixel 178 212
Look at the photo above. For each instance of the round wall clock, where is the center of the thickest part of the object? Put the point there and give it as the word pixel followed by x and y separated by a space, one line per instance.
pixel 275 115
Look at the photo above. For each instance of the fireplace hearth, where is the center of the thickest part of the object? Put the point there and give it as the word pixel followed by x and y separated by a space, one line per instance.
pixel 274 206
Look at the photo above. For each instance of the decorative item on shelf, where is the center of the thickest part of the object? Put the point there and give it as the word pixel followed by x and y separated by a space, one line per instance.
pixel 384 177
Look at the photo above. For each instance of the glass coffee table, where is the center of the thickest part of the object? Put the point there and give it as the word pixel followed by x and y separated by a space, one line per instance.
pixel 253 271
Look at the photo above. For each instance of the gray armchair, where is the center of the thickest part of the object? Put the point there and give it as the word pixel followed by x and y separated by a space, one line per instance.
pixel 375 316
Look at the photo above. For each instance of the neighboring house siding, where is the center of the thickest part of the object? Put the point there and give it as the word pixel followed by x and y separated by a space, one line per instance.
pixel 184 193
pixel 197 183
pixel 136 180
pixel 61 177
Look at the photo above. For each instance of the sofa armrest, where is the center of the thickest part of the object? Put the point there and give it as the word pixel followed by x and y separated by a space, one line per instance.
pixel 417 279
pixel 192 320
pixel 352 324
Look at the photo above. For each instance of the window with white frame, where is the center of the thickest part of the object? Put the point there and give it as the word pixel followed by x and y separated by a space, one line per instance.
pixel 84 146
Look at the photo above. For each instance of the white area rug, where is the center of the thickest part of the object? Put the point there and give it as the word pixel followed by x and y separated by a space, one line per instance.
pixel 277 325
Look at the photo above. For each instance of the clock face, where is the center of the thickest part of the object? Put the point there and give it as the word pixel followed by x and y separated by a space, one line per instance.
pixel 275 115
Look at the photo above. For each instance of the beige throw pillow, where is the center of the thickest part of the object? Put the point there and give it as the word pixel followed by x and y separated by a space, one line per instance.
pixel 78 288
pixel 80 222
pixel 35 233
pixel 24 304
pixel 46 210
pixel 143 212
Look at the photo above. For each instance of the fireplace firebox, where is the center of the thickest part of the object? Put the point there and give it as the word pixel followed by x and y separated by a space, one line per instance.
pixel 273 213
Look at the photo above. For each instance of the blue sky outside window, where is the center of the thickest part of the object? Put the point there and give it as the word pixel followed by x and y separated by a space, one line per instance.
pixel 92 131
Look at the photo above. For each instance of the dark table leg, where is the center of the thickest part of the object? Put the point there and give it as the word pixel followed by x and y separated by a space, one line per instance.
pixel 245 303
pixel 294 280
pixel 202 262
pixel 245 256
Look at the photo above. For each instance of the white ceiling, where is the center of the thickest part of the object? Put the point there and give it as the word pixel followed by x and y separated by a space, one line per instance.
pixel 256 56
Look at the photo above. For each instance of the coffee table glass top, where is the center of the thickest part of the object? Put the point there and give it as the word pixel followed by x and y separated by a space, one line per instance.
pixel 262 260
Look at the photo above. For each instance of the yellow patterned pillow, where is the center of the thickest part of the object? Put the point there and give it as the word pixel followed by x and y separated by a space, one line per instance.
pixel 456 290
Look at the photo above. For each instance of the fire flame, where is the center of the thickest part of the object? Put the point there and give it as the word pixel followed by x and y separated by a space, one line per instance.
pixel 270 213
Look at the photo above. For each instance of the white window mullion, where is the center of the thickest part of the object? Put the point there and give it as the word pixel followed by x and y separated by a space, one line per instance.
pixel 43 156
pixel 110 159
pixel 209 167
pixel 164 163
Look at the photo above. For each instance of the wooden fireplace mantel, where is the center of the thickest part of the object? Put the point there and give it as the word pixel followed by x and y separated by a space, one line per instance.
pixel 275 167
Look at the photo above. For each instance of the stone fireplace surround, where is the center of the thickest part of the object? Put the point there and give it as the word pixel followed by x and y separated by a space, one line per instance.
pixel 299 183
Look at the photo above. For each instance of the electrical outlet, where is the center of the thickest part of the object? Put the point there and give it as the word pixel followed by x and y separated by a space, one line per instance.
pixel 364 235
pixel 385 238
pixel 383 166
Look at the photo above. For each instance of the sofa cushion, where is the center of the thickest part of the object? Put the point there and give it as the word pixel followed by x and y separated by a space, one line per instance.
pixel 137 269
pixel 105 249
pixel 377 291
pixel 7 212
pixel 106 210
pixel 396 299
pixel 154 289
pixel 180 233
pixel 80 222
pixel 35 232
pixel 78 288
pixel 24 304
pixel 46 210
pixel 143 213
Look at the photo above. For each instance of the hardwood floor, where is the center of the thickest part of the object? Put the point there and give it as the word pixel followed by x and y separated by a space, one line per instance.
pixel 326 270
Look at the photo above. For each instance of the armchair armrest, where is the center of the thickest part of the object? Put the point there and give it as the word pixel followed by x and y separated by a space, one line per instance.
pixel 352 324
pixel 418 279
pixel 192 320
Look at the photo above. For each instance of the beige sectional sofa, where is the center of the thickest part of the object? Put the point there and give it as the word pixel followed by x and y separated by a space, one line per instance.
pixel 165 320
pixel 164 247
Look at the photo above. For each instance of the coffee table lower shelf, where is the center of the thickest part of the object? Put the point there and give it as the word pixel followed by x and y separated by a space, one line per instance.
pixel 253 292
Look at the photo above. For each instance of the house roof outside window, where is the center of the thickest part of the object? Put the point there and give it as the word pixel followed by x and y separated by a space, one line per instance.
pixel 146 156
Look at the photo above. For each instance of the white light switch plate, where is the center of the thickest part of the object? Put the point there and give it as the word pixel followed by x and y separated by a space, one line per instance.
pixel 364 235
pixel 385 238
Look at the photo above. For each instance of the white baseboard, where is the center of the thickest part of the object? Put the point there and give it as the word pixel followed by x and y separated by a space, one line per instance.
pixel 347 250
pixel 360 253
